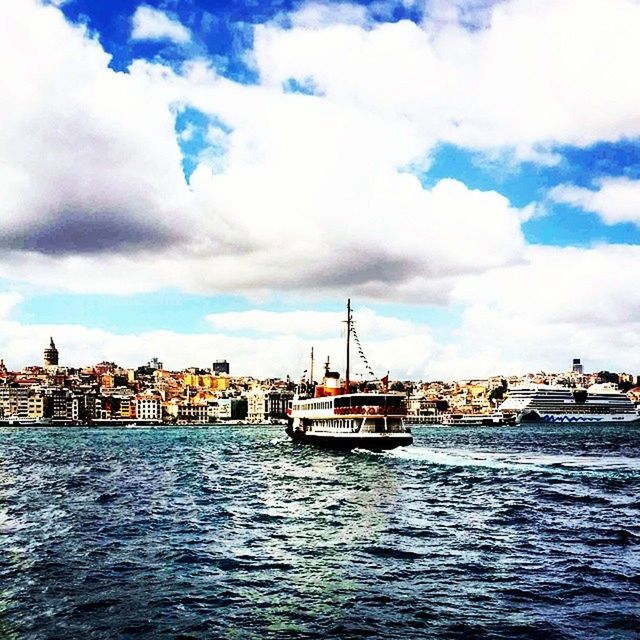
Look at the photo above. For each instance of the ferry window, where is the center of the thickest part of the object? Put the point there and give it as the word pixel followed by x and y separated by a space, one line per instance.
pixel 371 401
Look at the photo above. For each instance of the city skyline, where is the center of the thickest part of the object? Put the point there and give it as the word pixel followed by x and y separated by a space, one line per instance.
pixel 183 181
pixel 50 366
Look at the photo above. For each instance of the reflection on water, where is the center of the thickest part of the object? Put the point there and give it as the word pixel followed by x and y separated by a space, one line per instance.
pixel 329 506
pixel 237 533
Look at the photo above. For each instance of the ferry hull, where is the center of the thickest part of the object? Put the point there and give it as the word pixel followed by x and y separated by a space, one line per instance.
pixel 346 442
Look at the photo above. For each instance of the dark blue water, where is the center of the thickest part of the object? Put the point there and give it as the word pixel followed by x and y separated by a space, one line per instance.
pixel 529 532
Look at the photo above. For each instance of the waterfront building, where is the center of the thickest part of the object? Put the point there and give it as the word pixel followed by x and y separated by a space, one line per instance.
pixel 51 355
pixel 196 412
pixel 127 409
pixel 60 404
pixel 37 406
pixel 256 405
pixel 424 409
pixel 264 406
pixel 14 400
pixel 277 404
pixel 73 407
pixel 227 409
pixel 170 410
pixel 148 406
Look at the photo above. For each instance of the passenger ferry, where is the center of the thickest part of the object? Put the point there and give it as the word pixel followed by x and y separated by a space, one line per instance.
pixel 496 419
pixel 551 403
pixel 20 421
pixel 337 418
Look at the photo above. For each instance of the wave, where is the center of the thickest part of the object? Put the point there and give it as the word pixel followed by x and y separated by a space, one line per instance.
pixel 470 458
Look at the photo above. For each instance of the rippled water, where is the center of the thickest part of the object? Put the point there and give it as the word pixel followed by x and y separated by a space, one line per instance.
pixel 528 532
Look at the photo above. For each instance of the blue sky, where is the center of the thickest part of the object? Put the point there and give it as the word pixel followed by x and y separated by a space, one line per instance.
pixel 423 158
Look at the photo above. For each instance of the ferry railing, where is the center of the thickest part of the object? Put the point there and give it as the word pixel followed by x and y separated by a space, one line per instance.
pixel 371 410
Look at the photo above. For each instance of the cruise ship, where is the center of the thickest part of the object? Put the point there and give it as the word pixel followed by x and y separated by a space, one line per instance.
pixel 335 417
pixel 550 403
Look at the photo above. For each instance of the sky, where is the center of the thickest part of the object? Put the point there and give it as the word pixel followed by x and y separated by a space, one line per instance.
pixel 199 180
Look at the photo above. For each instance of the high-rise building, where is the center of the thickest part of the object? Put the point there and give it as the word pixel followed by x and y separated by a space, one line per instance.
pixel 220 366
pixel 577 366
pixel 51 355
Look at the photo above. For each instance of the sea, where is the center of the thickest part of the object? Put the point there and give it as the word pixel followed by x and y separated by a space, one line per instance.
pixel 234 532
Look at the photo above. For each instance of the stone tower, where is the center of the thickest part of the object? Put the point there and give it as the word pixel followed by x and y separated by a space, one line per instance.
pixel 51 355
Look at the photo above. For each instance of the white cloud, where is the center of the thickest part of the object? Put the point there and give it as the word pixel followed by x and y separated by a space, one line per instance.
pixel 9 300
pixel 329 205
pixel 312 15
pixel 310 194
pixel 278 352
pixel 615 200
pixel 152 24
pixel 309 323
pixel 518 82
pixel 562 285
pixel 559 304
pixel 90 158
pixel 302 192
pixel 524 334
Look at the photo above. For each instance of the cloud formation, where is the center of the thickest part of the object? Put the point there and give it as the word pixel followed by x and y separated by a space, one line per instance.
pixel 148 23
pixel 90 160
pixel 514 83
pixel 314 180
pixel 310 193
pixel 614 200
pixel 488 340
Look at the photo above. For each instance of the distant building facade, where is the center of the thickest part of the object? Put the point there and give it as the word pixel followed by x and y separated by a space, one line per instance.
pixel 148 407
pixel 577 366
pixel 220 366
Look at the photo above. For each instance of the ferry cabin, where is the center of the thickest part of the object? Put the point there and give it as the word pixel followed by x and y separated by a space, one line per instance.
pixel 351 413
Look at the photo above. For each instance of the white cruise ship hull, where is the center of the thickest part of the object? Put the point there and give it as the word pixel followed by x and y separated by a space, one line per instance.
pixel 575 418
pixel 600 403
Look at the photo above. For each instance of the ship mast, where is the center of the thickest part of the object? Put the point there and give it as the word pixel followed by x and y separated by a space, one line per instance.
pixel 349 321
pixel 311 369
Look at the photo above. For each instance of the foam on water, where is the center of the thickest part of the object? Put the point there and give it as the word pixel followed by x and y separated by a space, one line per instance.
pixel 470 458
